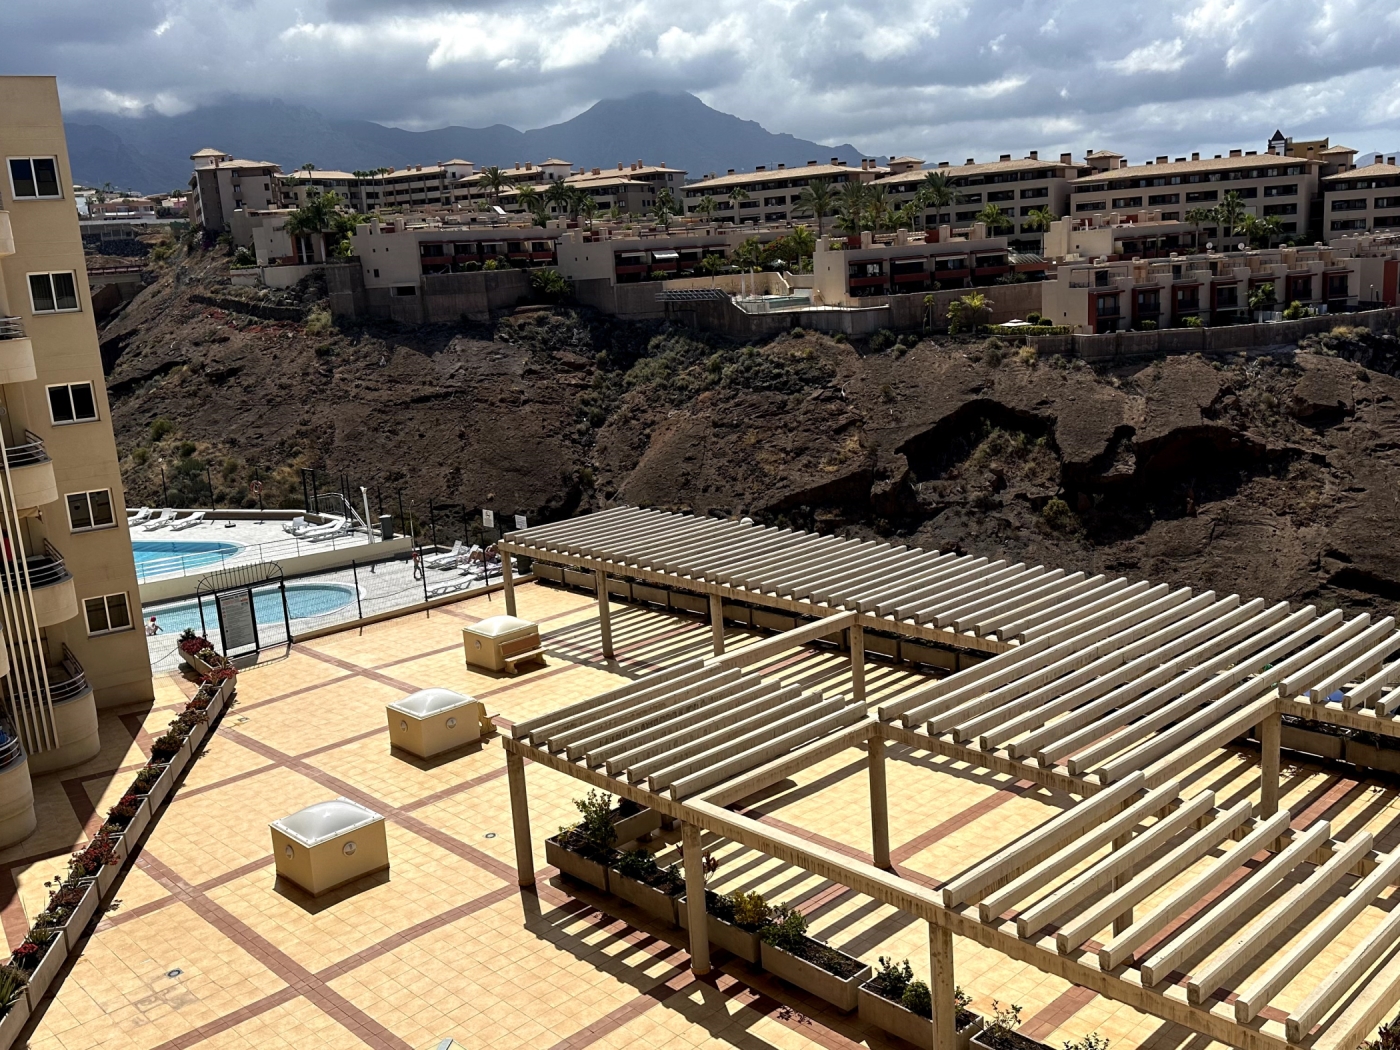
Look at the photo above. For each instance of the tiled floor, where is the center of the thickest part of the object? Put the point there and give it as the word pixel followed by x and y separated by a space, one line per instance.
pixel 446 945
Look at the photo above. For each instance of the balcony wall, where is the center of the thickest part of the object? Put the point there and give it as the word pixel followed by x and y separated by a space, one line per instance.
pixel 17 819
pixel 16 359
pixel 75 722
pixel 7 235
pixel 33 483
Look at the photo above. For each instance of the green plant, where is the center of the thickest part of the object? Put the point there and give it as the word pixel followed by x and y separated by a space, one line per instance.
pixel 894 977
pixel 787 931
pixel 882 341
pixel 750 909
pixel 916 999
pixel 1034 318
pixel 187 449
pixel 1058 517
pixel 596 826
pixel 1262 297
pixel 637 864
pixel 244 258
pixel 1192 322
pixel 318 322
pixel 1147 325
pixel 968 312
pixel 1094 1041
pixel 160 428
pixel 549 284
pixel 1294 311
pixel 1004 1021
pixel 12 982
pixel 1027 354
pixel 1387 1037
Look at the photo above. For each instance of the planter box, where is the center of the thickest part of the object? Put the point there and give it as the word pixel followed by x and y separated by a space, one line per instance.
pixel 645 593
pixel 1382 758
pixel 45 972
pixel 637 825
pixel 697 603
pixel 82 915
pixel 1311 743
pixel 108 874
pixel 839 992
pixel 160 789
pixel 980 1043
pixel 736 940
pixel 893 1018
pixel 197 735
pixel 581 868
pixel 651 900
pixel 139 823
pixel 13 1020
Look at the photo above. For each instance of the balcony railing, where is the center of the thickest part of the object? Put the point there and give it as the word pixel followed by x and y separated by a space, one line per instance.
pixel 11 328
pixel 67 681
pixel 44 570
pixel 28 454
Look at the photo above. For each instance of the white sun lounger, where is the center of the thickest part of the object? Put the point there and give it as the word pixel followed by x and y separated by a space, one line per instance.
pixel 445 560
pixel 187 523
pixel 136 517
pixel 296 526
pixel 334 527
pixel 166 517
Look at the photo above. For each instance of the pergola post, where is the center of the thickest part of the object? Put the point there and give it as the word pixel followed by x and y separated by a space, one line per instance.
pixel 520 819
pixel 717 623
pixel 879 803
pixel 508 584
pixel 1270 731
pixel 694 862
pixel 941 983
pixel 604 614
pixel 857 636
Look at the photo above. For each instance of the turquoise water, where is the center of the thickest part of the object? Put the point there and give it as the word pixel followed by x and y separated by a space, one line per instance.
pixel 175 556
pixel 303 600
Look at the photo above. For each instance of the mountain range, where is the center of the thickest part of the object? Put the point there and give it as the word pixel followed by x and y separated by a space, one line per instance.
pixel 151 152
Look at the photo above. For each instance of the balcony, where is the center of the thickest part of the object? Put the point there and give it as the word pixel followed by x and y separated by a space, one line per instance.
pixel 7 235
pixel 16 351
pixel 67 680
pixel 32 480
pixel 50 585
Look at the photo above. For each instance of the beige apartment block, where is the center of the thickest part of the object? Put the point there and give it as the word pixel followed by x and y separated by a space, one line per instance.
pixel 69 605
pixel 415 186
pixel 1268 186
pixel 223 185
pixel 770 194
pixel 1149 237
pixel 1361 199
pixel 1103 296
pixel 1017 187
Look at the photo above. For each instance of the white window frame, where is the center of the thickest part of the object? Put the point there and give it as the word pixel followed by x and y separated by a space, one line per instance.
pixel 77 293
pixel 88 496
pixel 107 614
pixel 68 386
pixel 10 176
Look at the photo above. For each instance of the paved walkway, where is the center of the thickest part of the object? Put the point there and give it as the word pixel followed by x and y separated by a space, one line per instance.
pixel 446 944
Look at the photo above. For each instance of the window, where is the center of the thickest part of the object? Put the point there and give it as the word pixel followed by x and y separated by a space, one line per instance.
pixel 969 198
pixel 405 290
pixel 1281 209
pixel 90 510
pixel 107 613
pixel 1348 224
pixel 1202 195
pixel 1089 206
pixel 1035 191
pixel 1290 190
pixel 1002 195
pixel 1171 216
pixel 1387 202
pixel 51 293
pixel 1227 296
pixel 72 403
pixel 34 178
pixel 1108 306
pixel 1164 198
pixel 966 216
pixel 774 202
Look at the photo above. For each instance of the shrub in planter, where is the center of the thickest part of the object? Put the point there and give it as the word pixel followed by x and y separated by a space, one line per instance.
pixel 119 817
pixel 735 921
pixel 192 644
pixel 146 779
pixel 12 982
pixel 1000 1031
pixel 646 884
pixel 167 746
pixel 89 861
pixel 585 850
pixel 788 952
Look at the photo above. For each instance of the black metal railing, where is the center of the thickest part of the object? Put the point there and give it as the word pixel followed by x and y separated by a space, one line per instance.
pixel 44 569
pixel 66 680
pixel 11 328
pixel 11 750
pixel 28 454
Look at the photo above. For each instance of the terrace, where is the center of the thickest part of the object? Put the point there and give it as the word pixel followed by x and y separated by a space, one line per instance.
pixel 979 786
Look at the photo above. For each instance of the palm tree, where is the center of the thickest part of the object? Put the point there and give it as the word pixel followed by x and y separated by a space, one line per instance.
pixel 1230 213
pixel 664 207
pixel 816 199
pixel 577 195
pixel 314 217
pixel 853 200
pixel 588 208
pixel 994 218
pixel 712 264
pixel 706 207
pixel 615 213
pixel 907 216
pixel 749 254
pixel 936 191
pixel 1041 218
pixel 967 312
pixel 494 179
pixel 528 198
pixel 736 197
pixel 877 206
pixel 803 244
pixel 558 194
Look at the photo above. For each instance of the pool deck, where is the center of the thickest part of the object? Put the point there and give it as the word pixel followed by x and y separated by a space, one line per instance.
pixel 258 541
pixel 446 944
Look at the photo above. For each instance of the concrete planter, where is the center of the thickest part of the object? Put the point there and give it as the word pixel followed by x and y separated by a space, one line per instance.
pixel 107 874
pixel 651 900
pixel 139 823
pixel 45 972
pixel 13 1021
pixel 197 734
pixel 635 826
pixel 160 789
pixel 576 866
pixel 736 940
pixel 1305 740
pixel 838 991
pixel 979 1041
pixel 82 915
pixel 1382 758
pixel 893 1018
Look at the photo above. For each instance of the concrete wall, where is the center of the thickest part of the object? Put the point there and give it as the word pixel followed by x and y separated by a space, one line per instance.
pixel 1111 345
pixel 479 295
pixel 240 306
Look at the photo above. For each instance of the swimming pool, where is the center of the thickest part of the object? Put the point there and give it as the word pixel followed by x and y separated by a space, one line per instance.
pixel 304 600
pixel 165 557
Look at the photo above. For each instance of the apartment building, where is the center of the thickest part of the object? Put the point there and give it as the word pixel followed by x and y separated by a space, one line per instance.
pixel 475 188
pixel 846 270
pixel 768 195
pixel 1093 236
pixel 1017 187
pixel 1361 199
pixel 1216 287
pixel 69 604
pixel 395 253
pixel 416 186
pixel 1268 185
pixel 222 185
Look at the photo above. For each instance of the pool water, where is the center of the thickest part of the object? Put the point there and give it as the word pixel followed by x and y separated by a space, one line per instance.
pixel 171 556
pixel 303 600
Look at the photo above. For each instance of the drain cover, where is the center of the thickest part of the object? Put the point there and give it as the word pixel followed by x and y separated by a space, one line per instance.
pixel 490 834
pixel 173 973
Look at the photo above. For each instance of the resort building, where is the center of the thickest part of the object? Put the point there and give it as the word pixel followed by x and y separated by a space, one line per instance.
pixel 1108 235
pixel 768 195
pixel 1361 199
pixel 1019 188
pixel 1215 287
pixel 416 186
pixel 222 185
pixel 68 595
pixel 1267 185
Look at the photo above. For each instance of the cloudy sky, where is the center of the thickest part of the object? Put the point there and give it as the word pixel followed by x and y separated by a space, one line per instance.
pixel 941 79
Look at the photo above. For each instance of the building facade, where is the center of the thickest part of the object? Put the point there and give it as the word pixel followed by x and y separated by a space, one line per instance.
pixel 845 270
pixel 767 195
pixel 222 184
pixel 1361 200
pixel 69 605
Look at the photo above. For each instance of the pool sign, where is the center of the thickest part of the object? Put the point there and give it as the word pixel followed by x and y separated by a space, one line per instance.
pixel 520 521
pixel 236 619
pixel 488 518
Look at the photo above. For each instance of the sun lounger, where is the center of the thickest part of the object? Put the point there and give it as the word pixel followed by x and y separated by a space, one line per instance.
pixel 296 526
pixel 445 560
pixel 334 527
pixel 187 523
pixel 136 517
pixel 166 517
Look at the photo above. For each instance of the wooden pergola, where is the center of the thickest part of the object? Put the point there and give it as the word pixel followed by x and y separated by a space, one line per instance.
pixel 1108 690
